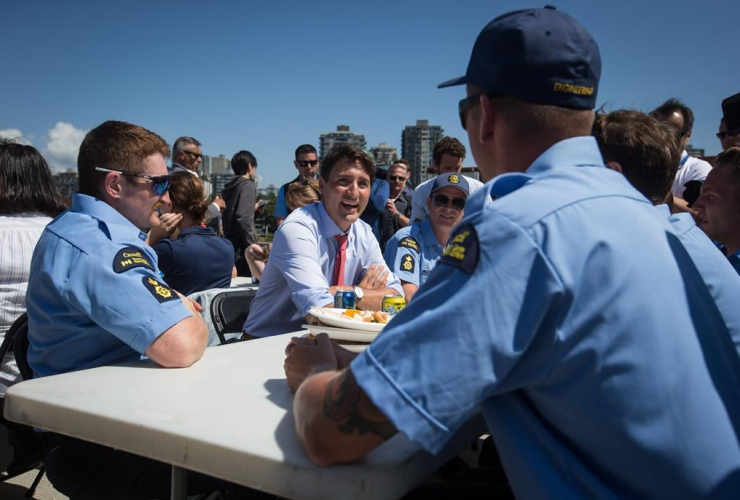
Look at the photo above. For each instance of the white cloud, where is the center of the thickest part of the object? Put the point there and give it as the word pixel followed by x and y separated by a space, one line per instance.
pixel 14 133
pixel 62 146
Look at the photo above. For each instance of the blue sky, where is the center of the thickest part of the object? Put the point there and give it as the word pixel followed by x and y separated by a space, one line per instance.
pixel 268 76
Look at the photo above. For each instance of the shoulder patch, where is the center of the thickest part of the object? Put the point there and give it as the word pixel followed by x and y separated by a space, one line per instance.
pixel 159 290
pixel 462 250
pixel 130 258
pixel 408 263
pixel 409 242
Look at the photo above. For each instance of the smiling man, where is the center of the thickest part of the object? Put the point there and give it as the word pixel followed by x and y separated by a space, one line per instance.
pixel 414 250
pixel 447 158
pixel 321 248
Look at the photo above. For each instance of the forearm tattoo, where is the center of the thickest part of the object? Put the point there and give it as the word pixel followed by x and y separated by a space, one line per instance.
pixel 341 404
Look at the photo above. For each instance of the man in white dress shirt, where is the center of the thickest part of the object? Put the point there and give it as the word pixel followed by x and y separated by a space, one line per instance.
pixel 691 171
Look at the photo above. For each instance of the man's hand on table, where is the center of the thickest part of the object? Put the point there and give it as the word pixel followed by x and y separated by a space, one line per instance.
pixel 306 356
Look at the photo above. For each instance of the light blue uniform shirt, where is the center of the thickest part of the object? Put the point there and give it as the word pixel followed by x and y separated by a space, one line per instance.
pixel 716 271
pixel 296 277
pixel 95 296
pixel 559 310
pixel 413 251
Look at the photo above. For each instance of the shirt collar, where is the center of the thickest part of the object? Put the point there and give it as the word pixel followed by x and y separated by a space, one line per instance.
pixel 583 150
pixel 328 227
pixel 118 225
pixel 663 210
pixel 427 232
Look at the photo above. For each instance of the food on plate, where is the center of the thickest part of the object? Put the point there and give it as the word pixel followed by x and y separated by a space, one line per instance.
pixel 367 316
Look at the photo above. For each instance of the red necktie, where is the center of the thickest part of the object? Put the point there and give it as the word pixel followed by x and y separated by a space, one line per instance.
pixel 339 261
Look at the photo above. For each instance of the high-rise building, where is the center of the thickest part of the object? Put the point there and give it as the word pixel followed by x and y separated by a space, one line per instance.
pixel 206 167
pixel 218 182
pixel 270 189
pixel 341 135
pixel 417 146
pixel 220 165
pixel 384 154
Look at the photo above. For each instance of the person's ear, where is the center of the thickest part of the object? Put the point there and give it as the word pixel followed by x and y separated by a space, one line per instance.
pixel 113 185
pixel 321 185
pixel 614 165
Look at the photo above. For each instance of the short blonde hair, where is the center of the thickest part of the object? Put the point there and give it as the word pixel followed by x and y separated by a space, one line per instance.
pixel 302 193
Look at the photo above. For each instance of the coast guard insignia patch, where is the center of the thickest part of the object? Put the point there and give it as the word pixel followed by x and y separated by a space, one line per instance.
pixel 130 258
pixel 408 263
pixel 462 250
pixel 159 290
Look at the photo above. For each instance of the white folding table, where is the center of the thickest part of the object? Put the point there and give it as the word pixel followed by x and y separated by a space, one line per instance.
pixel 229 416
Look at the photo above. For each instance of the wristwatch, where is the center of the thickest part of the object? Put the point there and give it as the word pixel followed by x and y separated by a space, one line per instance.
pixel 359 293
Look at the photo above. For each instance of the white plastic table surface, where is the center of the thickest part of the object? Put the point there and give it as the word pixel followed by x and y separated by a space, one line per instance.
pixel 229 415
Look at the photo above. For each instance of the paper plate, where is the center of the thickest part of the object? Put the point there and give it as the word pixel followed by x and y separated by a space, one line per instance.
pixel 340 334
pixel 334 317
pixel 354 347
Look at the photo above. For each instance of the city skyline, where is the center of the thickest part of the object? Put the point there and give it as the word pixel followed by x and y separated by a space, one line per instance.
pixel 272 78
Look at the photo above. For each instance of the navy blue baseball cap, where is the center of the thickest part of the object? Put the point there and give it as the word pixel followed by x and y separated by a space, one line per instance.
pixel 538 55
pixel 452 180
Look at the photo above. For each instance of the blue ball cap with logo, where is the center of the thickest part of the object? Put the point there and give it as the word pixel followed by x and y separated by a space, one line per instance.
pixel 538 55
pixel 452 180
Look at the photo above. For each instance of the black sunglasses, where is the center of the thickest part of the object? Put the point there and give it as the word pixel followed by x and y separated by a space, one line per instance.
pixel 725 133
pixel 196 155
pixel 160 183
pixel 305 163
pixel 465 104
pixel 396 178
pixel 441 201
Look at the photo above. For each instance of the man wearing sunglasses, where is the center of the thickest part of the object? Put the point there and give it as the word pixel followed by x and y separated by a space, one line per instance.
pixel 413 251
pixel 728 138
pixel 563 308
pixel 398 207
pixel 187 157
pixel 447 158
pixel 96 298
pixel 307 164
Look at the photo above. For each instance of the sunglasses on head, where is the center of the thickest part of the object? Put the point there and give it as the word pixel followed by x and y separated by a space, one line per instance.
pixel 441 201
pixel 305 163
pixel 160 183
pixel 396 178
